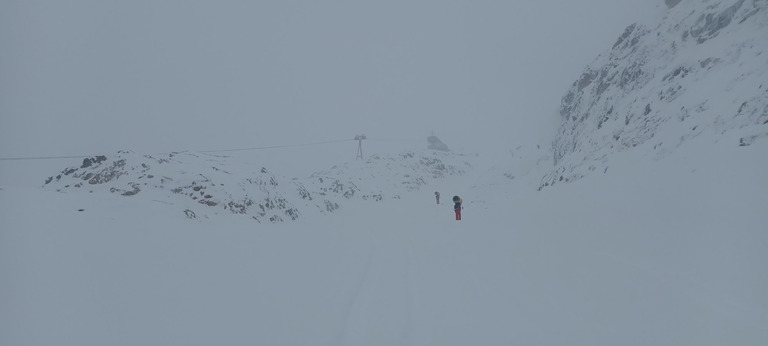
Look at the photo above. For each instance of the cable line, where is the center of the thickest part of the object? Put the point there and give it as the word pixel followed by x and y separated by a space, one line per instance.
pixel 201 151
pixel 42 158
pixel 276 146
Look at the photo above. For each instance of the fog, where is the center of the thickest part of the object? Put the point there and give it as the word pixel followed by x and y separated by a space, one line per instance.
pixel 158 76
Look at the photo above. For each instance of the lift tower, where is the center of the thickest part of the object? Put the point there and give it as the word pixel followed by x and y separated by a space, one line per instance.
pixel 359 139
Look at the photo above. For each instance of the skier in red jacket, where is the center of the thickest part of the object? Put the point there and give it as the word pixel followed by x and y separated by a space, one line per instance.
pixel 457 206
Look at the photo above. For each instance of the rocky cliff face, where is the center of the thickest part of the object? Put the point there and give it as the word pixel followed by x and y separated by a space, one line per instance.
pixel 701 71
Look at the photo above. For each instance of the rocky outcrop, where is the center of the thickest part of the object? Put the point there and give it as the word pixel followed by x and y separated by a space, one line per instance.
pixel 202 185
pixel 671 3
pixel 435 143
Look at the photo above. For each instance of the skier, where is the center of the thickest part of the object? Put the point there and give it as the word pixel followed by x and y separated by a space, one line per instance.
pixel 437 197
pixel 457 206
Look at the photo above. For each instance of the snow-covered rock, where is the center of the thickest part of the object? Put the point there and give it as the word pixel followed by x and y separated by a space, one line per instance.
pixel 700 72
pixel 203 184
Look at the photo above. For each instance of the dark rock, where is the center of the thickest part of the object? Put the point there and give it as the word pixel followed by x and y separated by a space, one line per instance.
pixel 435 143
pixel 709 25
pixel 671 3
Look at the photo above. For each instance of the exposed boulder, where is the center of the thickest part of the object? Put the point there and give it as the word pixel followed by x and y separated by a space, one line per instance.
pixel 671 3
pixel 435 143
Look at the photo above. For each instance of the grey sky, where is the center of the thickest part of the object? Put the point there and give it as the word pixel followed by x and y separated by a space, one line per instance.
pixel 78 77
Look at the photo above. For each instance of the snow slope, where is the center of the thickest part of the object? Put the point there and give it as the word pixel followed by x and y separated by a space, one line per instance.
pixel 668 259
pixel 666 247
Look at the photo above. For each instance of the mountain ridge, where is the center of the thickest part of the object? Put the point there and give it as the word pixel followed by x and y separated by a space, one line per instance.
pixel 657 86
pixel 202 184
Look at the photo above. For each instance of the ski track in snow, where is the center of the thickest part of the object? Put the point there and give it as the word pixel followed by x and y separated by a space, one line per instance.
pixel 522 266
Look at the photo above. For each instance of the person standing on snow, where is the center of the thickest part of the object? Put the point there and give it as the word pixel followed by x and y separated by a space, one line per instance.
pixel 457 206
pixel 437 197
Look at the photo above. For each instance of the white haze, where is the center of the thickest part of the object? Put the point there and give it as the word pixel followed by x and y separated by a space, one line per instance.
pixel 89 77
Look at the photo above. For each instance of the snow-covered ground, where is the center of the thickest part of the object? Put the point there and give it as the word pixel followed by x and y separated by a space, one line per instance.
pixel 639 224
pixel 665 251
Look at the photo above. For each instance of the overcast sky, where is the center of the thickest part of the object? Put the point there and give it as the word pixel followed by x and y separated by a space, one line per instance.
pixel 81 77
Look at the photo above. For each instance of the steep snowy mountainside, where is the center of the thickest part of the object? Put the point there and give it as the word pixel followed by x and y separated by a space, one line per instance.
pixel 200 184
pixel 701 72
